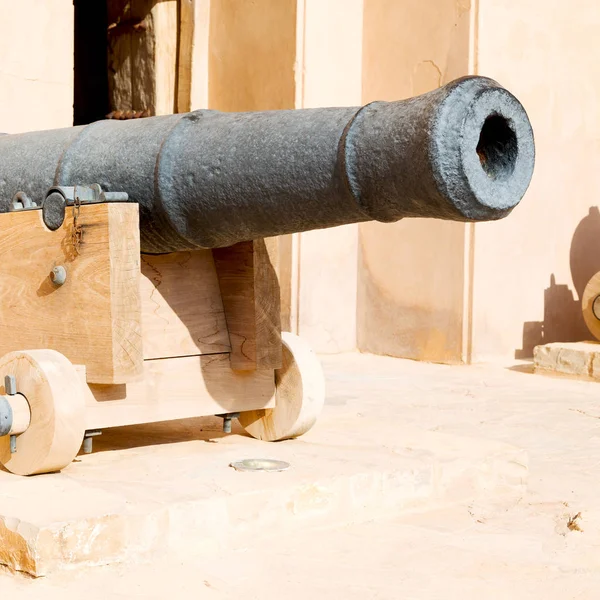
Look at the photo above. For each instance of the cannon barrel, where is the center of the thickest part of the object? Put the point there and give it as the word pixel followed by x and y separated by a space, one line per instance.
pixel 206 179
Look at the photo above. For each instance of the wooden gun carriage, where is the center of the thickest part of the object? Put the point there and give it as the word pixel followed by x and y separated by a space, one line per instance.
pixel 138 259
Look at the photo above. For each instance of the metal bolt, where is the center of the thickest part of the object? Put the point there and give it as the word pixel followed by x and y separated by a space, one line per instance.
pixel 21 201
pixel 114 196
pixel 88 441
pixel 10 385
pixel 227 420
pixel 58 275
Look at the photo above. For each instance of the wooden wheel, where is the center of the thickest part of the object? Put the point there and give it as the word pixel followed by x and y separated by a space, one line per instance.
pixel 54 392
pixel 300 394
pixel 590 305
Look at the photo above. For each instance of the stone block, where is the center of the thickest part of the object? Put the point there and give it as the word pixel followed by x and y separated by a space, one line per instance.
pixel 131 501
pixel 578 359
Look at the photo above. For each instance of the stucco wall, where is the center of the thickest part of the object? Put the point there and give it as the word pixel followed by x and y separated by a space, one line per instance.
pixel 411 273
pixel 278 54
pixel 423 289
pixel 252 50
pixel 546 53
pixel 36 64
pixel 330 61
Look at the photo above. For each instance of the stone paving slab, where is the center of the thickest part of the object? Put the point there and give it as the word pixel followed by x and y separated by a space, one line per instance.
pixel 152 489
pixel 577 359
pixel 492 548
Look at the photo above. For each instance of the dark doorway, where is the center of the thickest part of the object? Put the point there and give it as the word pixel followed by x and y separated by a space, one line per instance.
pixel 90 102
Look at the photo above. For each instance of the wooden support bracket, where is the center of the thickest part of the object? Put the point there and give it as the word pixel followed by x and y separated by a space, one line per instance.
pixel 250 293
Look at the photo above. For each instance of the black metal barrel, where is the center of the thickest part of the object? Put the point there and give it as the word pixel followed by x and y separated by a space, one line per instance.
pixel 206 179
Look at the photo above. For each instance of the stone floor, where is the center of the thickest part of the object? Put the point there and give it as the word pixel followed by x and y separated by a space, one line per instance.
pixel 543 543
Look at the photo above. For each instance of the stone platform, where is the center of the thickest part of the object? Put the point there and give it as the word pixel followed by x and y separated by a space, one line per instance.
pixel 575 359
pixel 152 489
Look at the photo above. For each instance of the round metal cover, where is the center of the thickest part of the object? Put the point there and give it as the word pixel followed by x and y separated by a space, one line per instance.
pixel 260 464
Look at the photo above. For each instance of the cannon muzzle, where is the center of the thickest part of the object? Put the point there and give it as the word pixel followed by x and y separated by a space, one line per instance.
pixel 206 179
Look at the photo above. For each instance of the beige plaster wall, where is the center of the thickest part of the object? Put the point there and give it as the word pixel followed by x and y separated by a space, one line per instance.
pixel 330 64
pixel 200 55
pixel 252 51
pixel 546 52
pixel 428 289
pixel 245 58
pixel 422 289
pixel 411 282
pixel 36 64
pixel 278 54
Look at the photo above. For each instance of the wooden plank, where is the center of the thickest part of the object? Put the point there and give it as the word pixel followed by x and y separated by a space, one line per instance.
pixel 235 272
pixel 124 291
pixel 178 388
pixel 142 55
pixel 182 311
pixel 185 47
pixel 95 316
pixel 119 56
pixel 165 21
pixel 267 304
pixel 201 45
pixel 250 292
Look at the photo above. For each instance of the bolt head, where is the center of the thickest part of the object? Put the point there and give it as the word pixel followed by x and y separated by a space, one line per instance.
pixel 10 384
pixel 58 275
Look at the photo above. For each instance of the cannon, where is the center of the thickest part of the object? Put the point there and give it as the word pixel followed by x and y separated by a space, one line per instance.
pixel 138 259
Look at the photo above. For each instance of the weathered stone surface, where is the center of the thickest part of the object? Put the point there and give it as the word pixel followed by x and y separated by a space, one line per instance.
pixel 130 500
pixel 579 359
pixel 492 547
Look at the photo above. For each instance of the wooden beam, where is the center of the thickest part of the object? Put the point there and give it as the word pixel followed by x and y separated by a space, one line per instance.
pixel 95 316
pixel 178 388
pixel 182 311
pixel 185 48
pixel 250 292
pixel 142 55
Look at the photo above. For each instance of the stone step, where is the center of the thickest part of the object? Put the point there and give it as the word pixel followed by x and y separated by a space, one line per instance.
pixel 577 359
pixel 149 489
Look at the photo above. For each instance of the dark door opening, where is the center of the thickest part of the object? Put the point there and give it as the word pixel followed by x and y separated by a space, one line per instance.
pixel 91 101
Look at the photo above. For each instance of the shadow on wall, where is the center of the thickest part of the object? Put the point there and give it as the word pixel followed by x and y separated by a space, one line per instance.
pixel 563 321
